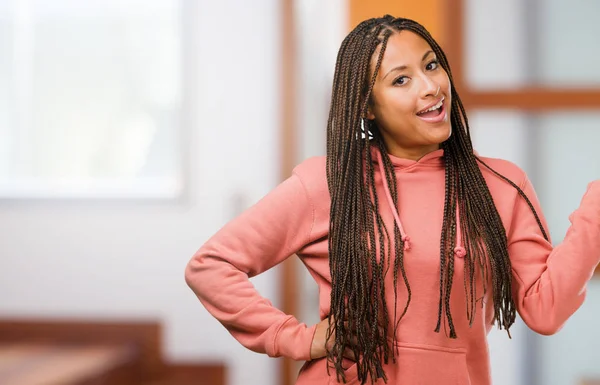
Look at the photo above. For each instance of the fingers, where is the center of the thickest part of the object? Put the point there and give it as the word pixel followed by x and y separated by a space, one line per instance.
pixel 352 341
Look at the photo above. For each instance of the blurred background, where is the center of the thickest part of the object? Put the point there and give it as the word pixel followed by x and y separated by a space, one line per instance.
pixel 131 131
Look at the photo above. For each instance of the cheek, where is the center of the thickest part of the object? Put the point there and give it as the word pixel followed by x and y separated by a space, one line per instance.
pixel 399 102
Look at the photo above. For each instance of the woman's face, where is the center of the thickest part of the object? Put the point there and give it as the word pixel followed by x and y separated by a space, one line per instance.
pixel 411 97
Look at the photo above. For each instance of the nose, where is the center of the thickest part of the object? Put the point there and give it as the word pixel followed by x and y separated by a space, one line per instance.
pixel 430 87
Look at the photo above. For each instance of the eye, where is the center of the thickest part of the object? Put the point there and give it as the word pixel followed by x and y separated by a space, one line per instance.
pixel 432 65
pixel 401 80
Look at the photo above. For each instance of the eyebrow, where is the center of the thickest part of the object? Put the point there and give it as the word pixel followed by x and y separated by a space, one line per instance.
pixel 403 67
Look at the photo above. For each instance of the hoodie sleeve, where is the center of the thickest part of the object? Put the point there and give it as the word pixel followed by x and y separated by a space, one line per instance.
pixel 276 227
pixel 549 283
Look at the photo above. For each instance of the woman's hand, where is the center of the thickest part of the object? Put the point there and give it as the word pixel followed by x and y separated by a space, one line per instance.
pixel 320 345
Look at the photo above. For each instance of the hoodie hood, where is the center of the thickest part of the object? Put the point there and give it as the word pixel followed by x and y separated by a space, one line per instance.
pixel 433 159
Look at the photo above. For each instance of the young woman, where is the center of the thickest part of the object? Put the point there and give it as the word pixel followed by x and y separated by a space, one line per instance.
pixel 418 244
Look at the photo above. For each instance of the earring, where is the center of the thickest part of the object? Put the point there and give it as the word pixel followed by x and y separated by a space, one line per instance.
pixel 365 130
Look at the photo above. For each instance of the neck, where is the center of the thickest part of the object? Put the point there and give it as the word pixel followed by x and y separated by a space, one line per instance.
pixel 414 153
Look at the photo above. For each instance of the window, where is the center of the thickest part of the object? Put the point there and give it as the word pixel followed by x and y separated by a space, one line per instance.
pixel 91 99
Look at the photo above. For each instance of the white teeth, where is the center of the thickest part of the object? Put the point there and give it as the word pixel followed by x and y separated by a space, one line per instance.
pixel 432 108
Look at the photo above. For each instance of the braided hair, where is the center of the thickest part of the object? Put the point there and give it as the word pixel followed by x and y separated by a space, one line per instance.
pixel 358 300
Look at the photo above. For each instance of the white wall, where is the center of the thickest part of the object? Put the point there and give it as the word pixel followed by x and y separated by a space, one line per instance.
pixel 321 28
pixel 126 259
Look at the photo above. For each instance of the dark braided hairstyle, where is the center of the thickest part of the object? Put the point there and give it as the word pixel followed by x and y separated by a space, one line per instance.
pixel 358 300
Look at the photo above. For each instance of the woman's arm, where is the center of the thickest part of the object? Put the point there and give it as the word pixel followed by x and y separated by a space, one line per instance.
pixel 266 234
pixel 549 283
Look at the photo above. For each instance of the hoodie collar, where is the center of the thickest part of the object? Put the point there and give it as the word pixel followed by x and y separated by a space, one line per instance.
pixel 432 159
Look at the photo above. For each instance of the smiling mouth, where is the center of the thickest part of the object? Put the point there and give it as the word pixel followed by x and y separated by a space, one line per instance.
pixel 432 111
pixel 434 114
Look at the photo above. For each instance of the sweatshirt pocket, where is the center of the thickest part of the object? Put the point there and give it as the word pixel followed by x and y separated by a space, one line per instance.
pixel 419 364
pixel 351 373
pixel 319 372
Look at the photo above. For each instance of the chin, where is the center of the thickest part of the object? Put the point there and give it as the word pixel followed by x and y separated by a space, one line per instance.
pixel 441 134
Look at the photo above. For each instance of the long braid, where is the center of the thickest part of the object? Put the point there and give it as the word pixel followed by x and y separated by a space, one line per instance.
pixel 357 293
pixel 357 229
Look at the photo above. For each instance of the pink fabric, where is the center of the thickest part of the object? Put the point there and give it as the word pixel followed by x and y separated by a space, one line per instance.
pixel 549 283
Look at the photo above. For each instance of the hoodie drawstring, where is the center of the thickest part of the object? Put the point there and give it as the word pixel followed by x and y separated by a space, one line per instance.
pixel 459 250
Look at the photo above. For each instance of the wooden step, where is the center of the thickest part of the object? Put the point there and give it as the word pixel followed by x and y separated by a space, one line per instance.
pixel 56 364
pixel 143 336
pixel 95 347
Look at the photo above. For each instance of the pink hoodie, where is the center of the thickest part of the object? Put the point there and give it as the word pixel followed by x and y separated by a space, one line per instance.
pixel 549 283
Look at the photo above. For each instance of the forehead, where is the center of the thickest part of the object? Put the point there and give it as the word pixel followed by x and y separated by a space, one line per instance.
pixel 404 48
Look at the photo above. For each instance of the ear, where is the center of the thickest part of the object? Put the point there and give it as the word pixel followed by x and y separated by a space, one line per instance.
pixel 369 114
